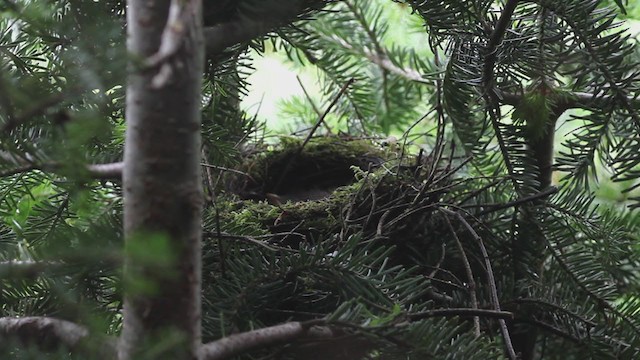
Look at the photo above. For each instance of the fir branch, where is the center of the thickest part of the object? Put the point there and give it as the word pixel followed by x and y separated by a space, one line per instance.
pixel 557 254
pixel 621 93
pixel 551 329
pixel 38 109
pixel 558 308
pixel 17 170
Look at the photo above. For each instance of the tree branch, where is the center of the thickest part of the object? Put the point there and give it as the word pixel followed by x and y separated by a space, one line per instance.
pixel 49 334
pixel 239 343
pixel 382 60
pixel 488 79
pixel 496 38
pixel 491 281
pixel 573 100
pixel 96 171
pixel 461 312
pixel 106 171
pixel 489 208
pixel 267 17
pixel 16 269
pixel 38 109
pixel 315 330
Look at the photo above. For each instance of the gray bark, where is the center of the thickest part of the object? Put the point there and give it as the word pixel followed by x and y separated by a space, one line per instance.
pixel 161 178
pixel 51 334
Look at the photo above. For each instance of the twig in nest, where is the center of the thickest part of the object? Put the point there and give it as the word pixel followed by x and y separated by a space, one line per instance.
pixel 491 280
pixel 495 207
pixel 470 279
pixel 313 130
pixel 313 105
pixel 222 168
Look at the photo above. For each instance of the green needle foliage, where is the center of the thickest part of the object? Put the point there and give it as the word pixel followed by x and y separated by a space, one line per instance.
pixel 468 223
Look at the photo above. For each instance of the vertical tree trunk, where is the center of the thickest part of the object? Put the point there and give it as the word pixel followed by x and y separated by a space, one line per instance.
pixel 542 151
pixel 162 185
pixel 531 245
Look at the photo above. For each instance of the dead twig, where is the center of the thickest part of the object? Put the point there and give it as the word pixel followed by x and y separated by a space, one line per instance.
pixel 310 135
pixel 470 279
pixel 490 278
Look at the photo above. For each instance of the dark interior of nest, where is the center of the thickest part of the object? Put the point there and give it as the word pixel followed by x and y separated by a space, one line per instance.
pixel 299 174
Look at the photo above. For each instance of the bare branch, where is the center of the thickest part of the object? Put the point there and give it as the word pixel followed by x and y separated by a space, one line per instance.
pixel 496 38
pixel 496 207
pixel 236 344
pixel 471 281
pixel 100 171
pixel 271 15
pixel 382 60
pixel 488 79
pixel 114 170
pixel 239 343
pixel 49 334
pixel 96 171
pixel 106 171
pixel 491 280
pixel 573 100
pixel 16 269
pixel 180 14
pixel 462 313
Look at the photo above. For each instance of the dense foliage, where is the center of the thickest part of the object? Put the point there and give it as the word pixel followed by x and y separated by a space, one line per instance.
pixel 458 240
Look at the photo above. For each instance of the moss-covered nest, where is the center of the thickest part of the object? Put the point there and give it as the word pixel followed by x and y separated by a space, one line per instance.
pixel 334 187
pixel 387 202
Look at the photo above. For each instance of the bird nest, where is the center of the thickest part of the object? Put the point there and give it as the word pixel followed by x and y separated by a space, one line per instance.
pixel 333 187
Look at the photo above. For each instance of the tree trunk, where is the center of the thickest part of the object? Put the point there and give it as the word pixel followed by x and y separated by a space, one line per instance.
pixel 162 181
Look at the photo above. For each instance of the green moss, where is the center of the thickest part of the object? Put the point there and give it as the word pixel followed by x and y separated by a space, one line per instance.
pixel 319 157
